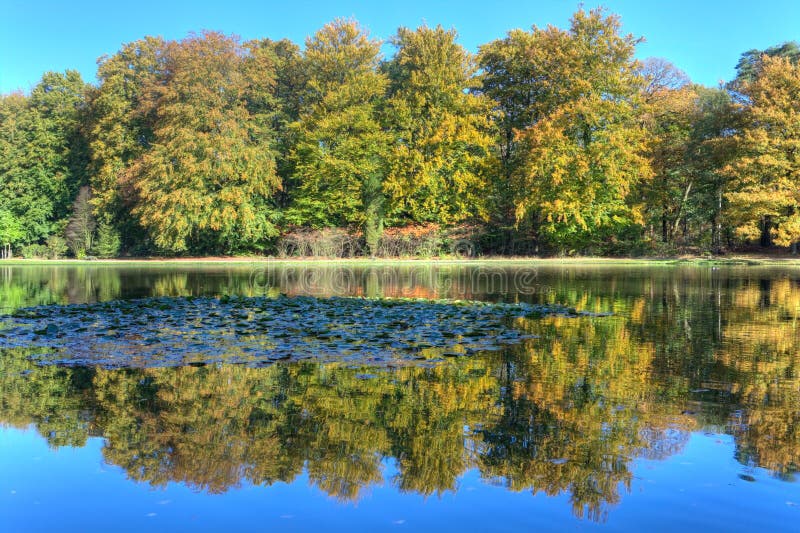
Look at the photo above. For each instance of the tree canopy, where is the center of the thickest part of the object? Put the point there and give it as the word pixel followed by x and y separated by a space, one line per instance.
pixel 766 196
pixel 441 130
pixel 552 140
pixel 585 150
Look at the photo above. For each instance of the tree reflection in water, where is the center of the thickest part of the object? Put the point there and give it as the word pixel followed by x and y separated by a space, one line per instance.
pixel 566 413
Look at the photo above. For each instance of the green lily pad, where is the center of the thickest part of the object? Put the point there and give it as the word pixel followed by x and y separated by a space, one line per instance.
pixel 256 331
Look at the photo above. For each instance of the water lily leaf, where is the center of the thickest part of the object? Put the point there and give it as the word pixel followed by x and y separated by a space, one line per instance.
pixel 176 331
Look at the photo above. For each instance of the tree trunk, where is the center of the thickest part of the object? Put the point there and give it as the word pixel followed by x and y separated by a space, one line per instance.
pixel 766 234
pixel 716 224
pixel 680 209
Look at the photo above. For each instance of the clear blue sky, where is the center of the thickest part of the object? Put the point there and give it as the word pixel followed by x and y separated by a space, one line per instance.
pixel 702 37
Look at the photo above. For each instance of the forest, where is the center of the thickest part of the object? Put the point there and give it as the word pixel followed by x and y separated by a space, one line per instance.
pixel 550 141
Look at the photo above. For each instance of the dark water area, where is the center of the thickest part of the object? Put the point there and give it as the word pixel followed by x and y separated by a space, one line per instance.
pixel 678 407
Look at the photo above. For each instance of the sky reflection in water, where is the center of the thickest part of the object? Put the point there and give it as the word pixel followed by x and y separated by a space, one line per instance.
pixel 679 410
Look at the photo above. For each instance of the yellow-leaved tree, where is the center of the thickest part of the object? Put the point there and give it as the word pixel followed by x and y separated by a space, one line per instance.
pixel 586 147
pixel 341 152
pixel 765 196
pixel 442 130
pixel 206 183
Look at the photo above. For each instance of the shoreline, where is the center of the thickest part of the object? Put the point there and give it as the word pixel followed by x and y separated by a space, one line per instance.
pixel 737 260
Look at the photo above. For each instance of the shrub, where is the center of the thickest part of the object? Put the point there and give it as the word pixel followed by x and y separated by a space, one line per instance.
pixel 108 241
pixel 411 241
pixel 328 242
pixel 408 241
pixel 56 246
pixel 34 251
pixel 429 241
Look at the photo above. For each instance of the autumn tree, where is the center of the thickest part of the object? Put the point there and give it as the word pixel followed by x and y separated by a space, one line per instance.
pixel 342 149
pixel 549 136
pixel 510 78
pixel 689 129
pixel 206 182
pixel 123 115
pixel 437 172
pixel 670 105
pixel 585 151
pixel 287 100
pixel 765 202
pixel 711 148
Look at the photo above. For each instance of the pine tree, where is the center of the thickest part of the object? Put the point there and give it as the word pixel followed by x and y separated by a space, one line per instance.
pixel 108 241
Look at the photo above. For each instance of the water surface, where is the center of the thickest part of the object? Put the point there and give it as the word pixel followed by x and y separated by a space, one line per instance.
pixel 681 409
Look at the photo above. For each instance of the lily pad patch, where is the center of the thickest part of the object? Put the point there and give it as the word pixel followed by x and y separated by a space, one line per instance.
pixel 258 331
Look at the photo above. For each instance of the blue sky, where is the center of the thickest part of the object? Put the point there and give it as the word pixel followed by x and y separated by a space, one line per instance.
pixel 702 37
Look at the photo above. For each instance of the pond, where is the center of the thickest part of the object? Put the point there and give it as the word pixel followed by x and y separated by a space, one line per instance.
pixel 658 397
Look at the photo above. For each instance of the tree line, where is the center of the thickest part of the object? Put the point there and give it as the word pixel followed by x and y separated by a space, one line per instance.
pixel 546 141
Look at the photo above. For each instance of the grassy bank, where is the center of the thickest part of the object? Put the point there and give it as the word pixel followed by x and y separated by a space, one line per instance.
pixel 610 261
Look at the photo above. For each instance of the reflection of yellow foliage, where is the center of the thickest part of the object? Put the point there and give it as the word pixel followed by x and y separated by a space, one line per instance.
pixel 762 347
pixel 637 311
pixel 564 413
pixel 215 427
pixel 586 398
pixel 174 285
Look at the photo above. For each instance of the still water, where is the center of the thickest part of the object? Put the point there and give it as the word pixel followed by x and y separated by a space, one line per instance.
pixel 677 407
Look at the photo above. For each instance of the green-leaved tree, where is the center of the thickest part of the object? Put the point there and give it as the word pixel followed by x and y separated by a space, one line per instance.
pixel 342 148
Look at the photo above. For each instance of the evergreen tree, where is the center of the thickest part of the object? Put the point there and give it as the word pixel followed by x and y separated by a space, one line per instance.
pixel 108 241
pixel 43 153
